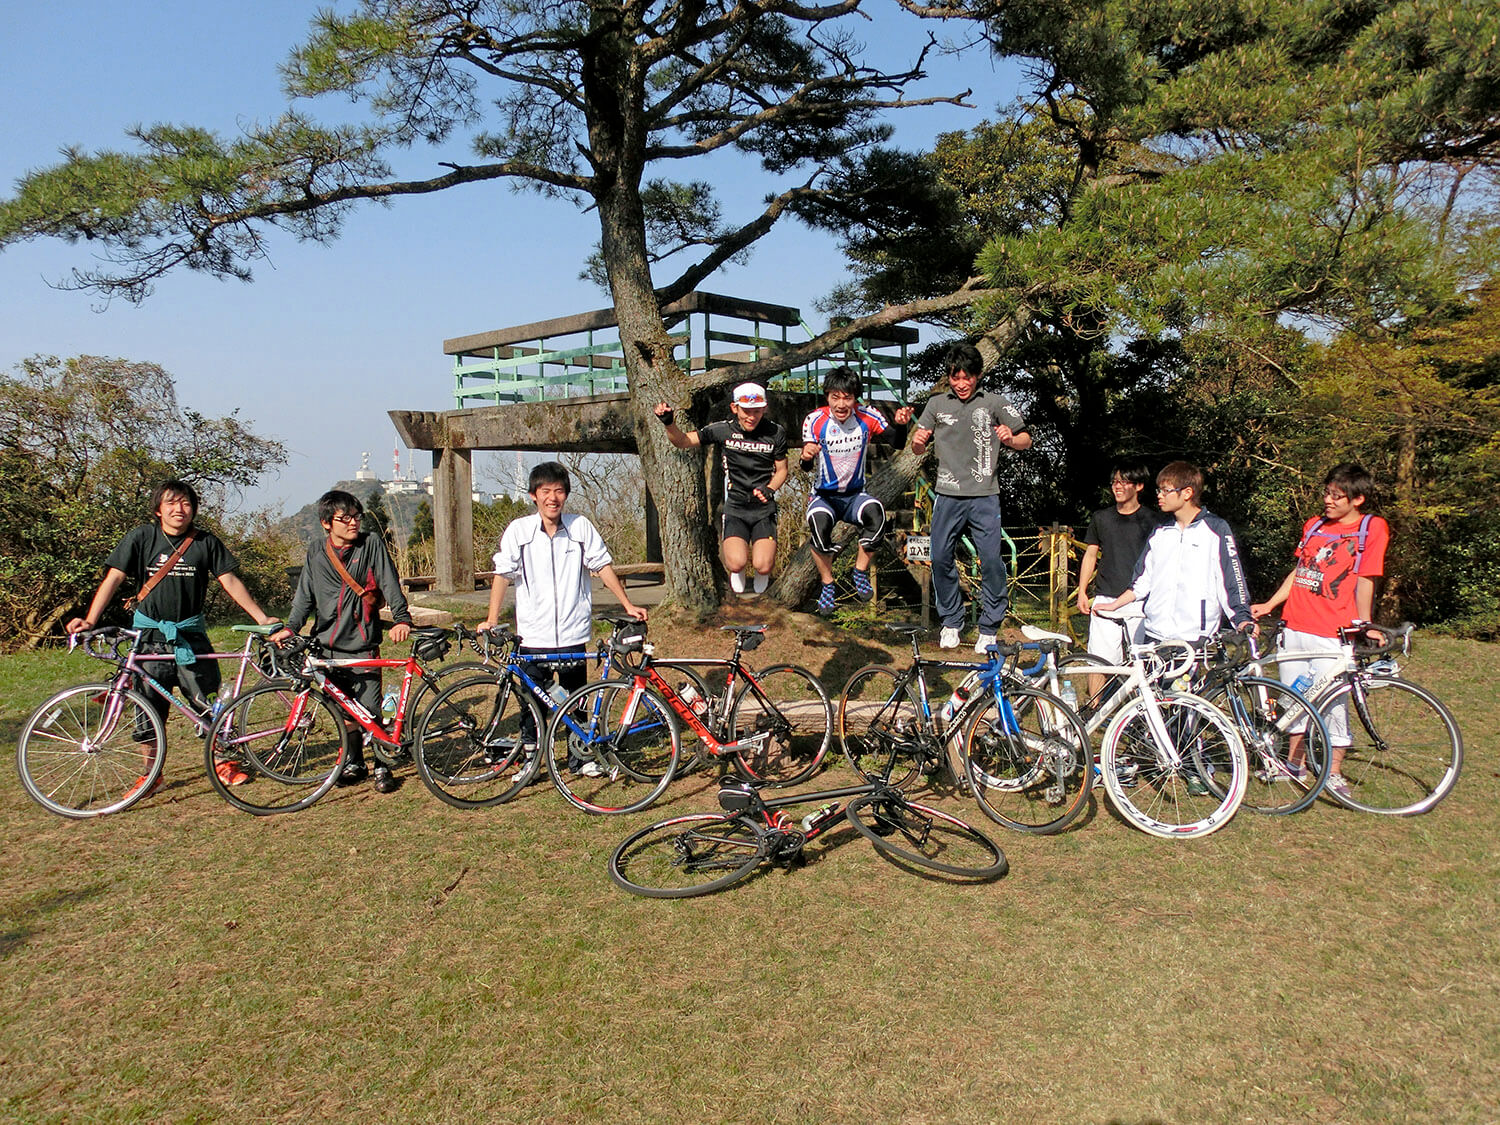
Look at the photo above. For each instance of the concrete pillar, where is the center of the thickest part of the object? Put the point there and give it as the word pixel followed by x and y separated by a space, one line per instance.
pixel 453 519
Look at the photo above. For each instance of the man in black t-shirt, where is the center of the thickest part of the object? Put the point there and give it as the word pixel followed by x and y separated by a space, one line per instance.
pixel 1115 538
pixel 754 452
pixel 172 611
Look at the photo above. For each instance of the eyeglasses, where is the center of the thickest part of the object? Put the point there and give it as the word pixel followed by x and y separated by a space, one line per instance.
pixel 348 521
pixel 1332 494
pixel 1160 490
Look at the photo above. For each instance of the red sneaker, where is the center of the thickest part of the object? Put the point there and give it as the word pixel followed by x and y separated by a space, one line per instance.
pixel 141 783
pixel 231 774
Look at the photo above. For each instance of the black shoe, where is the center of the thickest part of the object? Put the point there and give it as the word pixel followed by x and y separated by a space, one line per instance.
pixel 353 773
pixel 385 780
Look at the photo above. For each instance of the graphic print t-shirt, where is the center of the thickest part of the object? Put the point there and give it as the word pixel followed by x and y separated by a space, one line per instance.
pixel 968 452
pixel 1328 564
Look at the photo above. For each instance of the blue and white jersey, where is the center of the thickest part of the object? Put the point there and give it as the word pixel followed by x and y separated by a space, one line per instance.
pixel 842 446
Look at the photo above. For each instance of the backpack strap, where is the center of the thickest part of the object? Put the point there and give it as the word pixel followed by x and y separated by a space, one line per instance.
pixel 161 572
pixel 368 593
pixel 1360 536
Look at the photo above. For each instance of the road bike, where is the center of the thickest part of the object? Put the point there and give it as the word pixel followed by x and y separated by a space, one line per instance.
pixel 292 735
pixel 770 726
pixel 476 745
pixel 1171 762
pixel 98 748
pixel 1402 749
pixel 1019 749
pixel 700 853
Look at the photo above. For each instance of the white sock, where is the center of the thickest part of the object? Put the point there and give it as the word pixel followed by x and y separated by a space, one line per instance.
pixel 737 581
pixel 761 582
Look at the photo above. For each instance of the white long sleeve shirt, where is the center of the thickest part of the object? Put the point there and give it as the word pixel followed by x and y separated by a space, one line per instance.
pixel 551 575
pixel 1189 578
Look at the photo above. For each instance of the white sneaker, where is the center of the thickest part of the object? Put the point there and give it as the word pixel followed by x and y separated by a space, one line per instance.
pixel 588 769
pixel 982 644
pixel 737 581
pixel 948 638
pixel 1338 786
pixel 761 582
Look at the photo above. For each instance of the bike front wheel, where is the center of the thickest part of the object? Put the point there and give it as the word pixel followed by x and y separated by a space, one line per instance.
pixel 880 725
pixel 1405 747
pixel 475 745
pixel 1029 760
pixel 1286 743
pixel 1190 785
pixel 612 747
pixel 291 740
pixel 687 856
pixel 784 721
pixel 917 834
pixel 91 750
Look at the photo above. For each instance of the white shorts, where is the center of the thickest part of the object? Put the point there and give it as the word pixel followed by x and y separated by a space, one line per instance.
pixel 1288 668
pixel 1107 639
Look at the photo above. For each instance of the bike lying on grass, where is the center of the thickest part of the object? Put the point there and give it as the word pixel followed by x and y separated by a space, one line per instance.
pixel 701 853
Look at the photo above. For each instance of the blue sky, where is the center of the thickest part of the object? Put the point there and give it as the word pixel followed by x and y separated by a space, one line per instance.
pixel 328 337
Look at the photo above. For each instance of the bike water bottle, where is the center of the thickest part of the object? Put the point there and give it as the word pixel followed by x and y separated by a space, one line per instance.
pixel 689 695
pixel 955 703
pixel 1069 694
pixel 1302 683
pixel 558 693
pixel 388 702
pixel 817 816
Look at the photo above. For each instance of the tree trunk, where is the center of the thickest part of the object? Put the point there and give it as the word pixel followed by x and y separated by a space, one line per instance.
pixel 675 477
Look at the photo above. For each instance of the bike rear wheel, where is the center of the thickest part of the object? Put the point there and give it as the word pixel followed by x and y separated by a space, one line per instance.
pixel 687 856
pixel 1406 749
pixel 476 743
pixel 880 724
pixel 290 739
pixel 1272 720
pixel 1194 795
pixel 423 691
pixel 917 834
pixel 611 748
pixel 79 754
pixel 1029 760
pixel 789 707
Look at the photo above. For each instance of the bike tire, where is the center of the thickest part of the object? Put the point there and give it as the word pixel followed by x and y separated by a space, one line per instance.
pixel 391 755
pixel 78 761
pixel 630 737
pixel 790 705
pixel 1407 748
pixel 289 738
pixel 688 856
pixel 1028 759
pixel 1266 713
pixel 1163 800
pixel 918 834
pixel 879 725
pixel 470 744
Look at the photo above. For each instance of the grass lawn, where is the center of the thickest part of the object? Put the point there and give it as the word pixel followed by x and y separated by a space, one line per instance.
pixel 388 958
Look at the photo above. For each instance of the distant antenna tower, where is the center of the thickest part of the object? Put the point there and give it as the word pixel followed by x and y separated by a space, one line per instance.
pixel 520 474
pixel 395 462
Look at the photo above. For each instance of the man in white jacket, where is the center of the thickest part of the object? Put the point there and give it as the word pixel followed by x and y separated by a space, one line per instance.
pixel 549 558
pixel 1189 576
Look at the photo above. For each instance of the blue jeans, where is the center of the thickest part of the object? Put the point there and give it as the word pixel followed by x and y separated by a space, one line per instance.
pixel 979 516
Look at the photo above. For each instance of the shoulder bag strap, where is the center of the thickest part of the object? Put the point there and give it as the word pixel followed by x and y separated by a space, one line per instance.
pixel 160 572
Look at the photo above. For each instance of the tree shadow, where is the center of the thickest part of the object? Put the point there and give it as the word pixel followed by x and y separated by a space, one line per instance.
pixel 21 925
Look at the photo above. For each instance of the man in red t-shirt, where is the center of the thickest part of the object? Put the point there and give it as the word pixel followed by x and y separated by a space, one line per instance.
pixel 1340 557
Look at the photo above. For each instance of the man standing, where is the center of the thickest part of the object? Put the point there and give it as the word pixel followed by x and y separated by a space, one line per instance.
pixel 969 429
pixel 1115 538
pixel 171 562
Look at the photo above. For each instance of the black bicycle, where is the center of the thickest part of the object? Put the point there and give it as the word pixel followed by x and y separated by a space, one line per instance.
pixel 701 853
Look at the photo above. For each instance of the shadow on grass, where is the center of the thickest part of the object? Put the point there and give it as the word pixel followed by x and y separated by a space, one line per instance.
pixel 21 925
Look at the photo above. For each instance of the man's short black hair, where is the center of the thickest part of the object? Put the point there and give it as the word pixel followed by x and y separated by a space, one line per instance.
pixel 550 472
pixel 337 502
pixel 963 357
pixel 1354 481
pixel 173 487
pixel 844 380
pixel 1132 472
